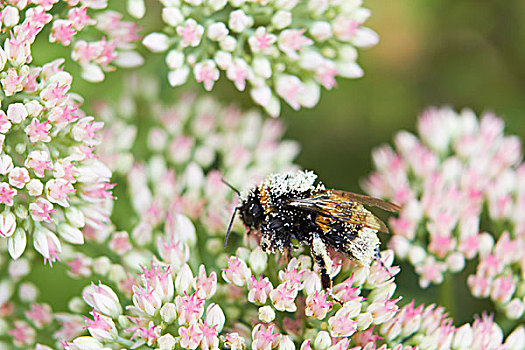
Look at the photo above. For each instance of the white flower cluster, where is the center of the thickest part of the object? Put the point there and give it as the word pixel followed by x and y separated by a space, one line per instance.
pixel 282 48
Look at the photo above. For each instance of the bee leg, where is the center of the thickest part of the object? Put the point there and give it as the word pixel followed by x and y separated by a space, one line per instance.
pixel 378 258
pixel 323 261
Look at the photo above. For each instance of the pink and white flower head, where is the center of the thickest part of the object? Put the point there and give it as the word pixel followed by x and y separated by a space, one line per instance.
pixel 467 168
pixel 236 38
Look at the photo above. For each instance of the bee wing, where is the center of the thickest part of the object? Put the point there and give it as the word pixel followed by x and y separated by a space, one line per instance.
pixel 367 200
pixel 332 204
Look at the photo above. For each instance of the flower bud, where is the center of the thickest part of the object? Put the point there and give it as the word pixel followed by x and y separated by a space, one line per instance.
pixel 515 308
pixel 282 19
pixel 6 164
pixel 34 108
pixel 7 224
pixel 27 292
pixel 103 299
pixel 516 339
pixel 178 76
pixel 228 44
pixel 258 260
pixel 76 305
pixel 266 314
pixel 217 31
pixel 382 293
pixel 16 113
pixel 364 320
pixel 102 265
pixel 88 343
pixel 10 16
pixel 168 313
pixel 136 8
pixel 463 337
pixel 16 244
pixel 75 217
pixel 321 30
pixel 6 290
pixel 117 273
pixel 238 21
pixel 156 42
pixel 175 59
pixel 215 317
pixel 323 341
pixel 285 343
pixel 70 234
pixel 172 16
pixel 184 280
pixel 166 342
pixel 416 255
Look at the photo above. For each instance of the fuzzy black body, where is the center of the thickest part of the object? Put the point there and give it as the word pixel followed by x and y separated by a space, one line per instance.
pixel 288 208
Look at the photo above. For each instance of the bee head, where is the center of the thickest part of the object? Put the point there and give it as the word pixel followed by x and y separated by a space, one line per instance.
pixel 251 210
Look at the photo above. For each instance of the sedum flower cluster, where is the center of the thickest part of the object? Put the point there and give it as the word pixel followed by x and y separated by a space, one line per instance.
pixel 281 49
pixel 461 184
pixel 191 146
pixel 99 39
pixel 51 183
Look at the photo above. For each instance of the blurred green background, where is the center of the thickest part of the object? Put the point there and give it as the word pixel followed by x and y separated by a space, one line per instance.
pixel 468 53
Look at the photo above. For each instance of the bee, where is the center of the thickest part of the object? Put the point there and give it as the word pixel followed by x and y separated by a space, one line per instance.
pixel 290 209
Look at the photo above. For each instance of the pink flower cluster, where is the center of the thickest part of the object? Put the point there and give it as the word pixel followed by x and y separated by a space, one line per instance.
pixel 24 20
pixel 51 183
pixel 192 145
pixel 460 170
pixel 284 51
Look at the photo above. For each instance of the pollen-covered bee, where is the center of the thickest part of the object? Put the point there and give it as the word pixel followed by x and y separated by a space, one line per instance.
pixel 289 207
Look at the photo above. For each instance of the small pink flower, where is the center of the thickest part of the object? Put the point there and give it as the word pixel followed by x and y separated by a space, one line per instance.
pixel 85 131
pixel 80 266
pixel 79 18
pixel 39 314
pixel 190 337
pixel 101 327
pixel 234 341
pixel 205 286
pixel 383 311
pixel 62 32
pixel 290 88
pixel 54 94
pixel 41 210
pixel 479 285
pixel 119 242
pixel 57 191
pixel 292 277
pixel 38 131
pixel 5 124
pixel 189 308
pixel 262 41
pixel 264 338
pixel 238 71
pixel 12 83
pixel 210 339
pixel 283 297
pixel 149 333
pixel 146 299
pixel 47 244
pixel 191 33
pixel 237 272
pixel 161 279
pixel 317 306
pixel 206 72
pixel 344 28
pixel 292 41
pixel 23 335
pixel 341 325
pixel 259 290
pixel 173 252
pixel 430 271
pixel 7 194
pixel 502 289
pixel 63 115
pixel 18 177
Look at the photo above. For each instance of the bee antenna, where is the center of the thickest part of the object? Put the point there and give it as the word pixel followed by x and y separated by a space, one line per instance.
pixel 230 186
pixel 230 226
